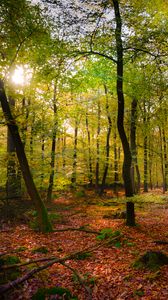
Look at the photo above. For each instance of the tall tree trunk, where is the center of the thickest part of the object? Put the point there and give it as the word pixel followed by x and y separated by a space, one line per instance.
pixel 107 142
pixel 120 118
pixel 150 155
pixel 98 146
pixel 116 160
pixel 145 147
pixel 32 135
pixel 74 165
pixel 165 160
pixel 53 147
pixel 162 159
pixel 43 221
pixel 63 151
pixel 42 159
pixel 90 176
pixel 134 168
pixel 25 112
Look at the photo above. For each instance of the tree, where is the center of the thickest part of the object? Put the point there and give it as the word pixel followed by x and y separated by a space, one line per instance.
pixel 43 220
pixel 120 118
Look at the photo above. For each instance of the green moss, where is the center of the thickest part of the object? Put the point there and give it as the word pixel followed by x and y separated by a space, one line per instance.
pixel 139 293
pixel 63 293
pixel 84 255
pixel 11 260
pixel 152 260
pixel 42 249
pixel 11 274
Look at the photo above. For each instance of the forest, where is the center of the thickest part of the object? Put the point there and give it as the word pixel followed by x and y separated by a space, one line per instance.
pixel 84 149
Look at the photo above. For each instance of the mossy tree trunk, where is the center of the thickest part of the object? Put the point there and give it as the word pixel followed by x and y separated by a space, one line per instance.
pixel 43 220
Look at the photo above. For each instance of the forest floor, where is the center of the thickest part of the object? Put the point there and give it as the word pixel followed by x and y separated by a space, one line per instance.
pixel 106 272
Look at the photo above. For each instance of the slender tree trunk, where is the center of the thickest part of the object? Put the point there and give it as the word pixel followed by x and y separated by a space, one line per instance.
pixel 74 165
pixel 53 147
pixel 150 155
pixel 98 146
pixel 162 159
pixel 25 112
pixel 116 160
pixel 145 146
pixel 43 221
pixel 165 160
pixel 120 118
pixel 134 168
pixel 63 151
pixel 32 135
pixel 90 176
pixel 42 159
pixel 107 142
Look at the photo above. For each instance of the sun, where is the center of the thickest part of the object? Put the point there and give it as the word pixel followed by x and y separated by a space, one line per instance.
pixel 18 76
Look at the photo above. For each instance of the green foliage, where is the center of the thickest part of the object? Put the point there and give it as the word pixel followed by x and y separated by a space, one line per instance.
pixel 34 213
pixel 42 249
pixel 129 244
pixel 80 193
pixel 34 225
pixel 54 217
pixel 21 248
pixel 107 233
pixel 117 244
pixel 9 275
pixel 61 292
pixel 11 260
pixel 139 293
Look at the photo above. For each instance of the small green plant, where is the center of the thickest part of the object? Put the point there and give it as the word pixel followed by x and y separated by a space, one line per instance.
pixel 11 260
pixel 21 248
pixel 107 233
pixel 34 225
pixel 34 213
pixel 80 194
pixel 42 249
pixel 139 293
pixel 9 275
pixel 129 244
pixel 61 292
pixel 118 244
pixel 54 217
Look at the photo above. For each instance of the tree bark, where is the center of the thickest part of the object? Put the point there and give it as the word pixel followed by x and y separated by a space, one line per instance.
pixel 116 161
pixel 89 150
pixel 165 160
pixel 43 221
pixel 135 174
pixel 107 142
pixel 98 146
pixel 53 147
pixel 74 165
pixel 120 118
pixel 145 146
